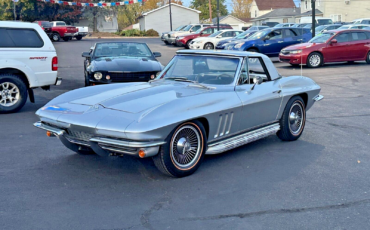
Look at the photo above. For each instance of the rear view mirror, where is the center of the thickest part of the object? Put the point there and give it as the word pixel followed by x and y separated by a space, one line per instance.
pixel 86 54
pixel 157 54
pixel 334 41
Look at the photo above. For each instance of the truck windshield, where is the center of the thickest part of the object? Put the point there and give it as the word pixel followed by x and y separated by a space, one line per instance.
pixel 123 49
pixel 201 69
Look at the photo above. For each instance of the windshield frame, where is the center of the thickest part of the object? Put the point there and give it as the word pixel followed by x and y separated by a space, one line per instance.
pixel 233 84
pixel 94 56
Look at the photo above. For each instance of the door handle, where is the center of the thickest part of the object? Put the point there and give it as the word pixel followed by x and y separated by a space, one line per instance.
pixel 277 91
pixel 280 41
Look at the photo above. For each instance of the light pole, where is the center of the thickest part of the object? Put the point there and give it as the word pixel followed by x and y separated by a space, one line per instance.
pixel 15 15
pixel 218 15
pixel 170 16
pixel 313 17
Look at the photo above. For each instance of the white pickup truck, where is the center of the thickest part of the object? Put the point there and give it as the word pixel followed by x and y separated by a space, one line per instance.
pixel 27 60
pixel 82 31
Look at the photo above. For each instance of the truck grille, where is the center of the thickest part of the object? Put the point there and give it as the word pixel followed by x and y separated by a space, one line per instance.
pixel 131 77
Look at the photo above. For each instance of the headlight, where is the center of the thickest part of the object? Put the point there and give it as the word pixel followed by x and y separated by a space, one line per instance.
pixel 98 75
pixel 238 45
pixel 295 51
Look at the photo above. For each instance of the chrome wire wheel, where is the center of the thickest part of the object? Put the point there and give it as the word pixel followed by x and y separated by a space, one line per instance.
pixel 296 118
pixel 9 94
pixel 186 147
pixel 315 60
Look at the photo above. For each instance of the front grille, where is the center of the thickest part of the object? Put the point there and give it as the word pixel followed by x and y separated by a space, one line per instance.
pixel 78 135
pixel 131 77
pixel 284 60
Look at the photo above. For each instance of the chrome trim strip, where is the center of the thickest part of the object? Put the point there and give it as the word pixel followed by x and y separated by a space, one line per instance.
pixel 318 97
pixel 55 131
pixel 130 144
pixel 242 139
pixel 231 121
pixel 118 150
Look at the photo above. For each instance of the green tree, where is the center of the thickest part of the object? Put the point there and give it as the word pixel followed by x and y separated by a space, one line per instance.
pixel 202 5
pixel 127 15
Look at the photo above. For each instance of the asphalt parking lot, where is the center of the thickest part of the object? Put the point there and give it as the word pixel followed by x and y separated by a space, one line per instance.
pixel 320 181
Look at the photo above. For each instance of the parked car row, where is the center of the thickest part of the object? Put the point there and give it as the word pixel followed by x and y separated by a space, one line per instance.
pixel 57 30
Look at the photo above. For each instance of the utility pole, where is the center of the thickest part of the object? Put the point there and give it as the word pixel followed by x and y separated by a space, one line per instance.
pixel 313 17
pixel 170 15
pixel 218 15
pixel 15 16
pixel 210 11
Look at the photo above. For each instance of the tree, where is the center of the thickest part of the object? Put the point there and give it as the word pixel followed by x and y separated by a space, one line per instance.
pixel 241 8
pixel 154 4
pixel 202 5
pixel 128 15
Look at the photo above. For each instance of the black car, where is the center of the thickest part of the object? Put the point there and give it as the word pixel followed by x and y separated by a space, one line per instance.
pixel 111 62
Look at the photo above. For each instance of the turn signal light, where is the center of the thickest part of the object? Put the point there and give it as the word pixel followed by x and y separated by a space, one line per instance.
pixel 107 77
pixel 141 153
pixel 49 134
pixel 152 76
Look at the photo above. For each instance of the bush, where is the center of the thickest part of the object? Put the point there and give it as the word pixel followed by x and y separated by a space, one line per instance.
pixel 151 32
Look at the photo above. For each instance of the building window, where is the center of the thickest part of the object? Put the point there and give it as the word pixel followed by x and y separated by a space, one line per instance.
pixel 305 2
pixel 318 2
pixel 255 13
pixel 336 17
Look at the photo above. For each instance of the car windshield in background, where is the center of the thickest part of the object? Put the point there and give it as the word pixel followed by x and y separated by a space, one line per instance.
pixel 319 28
pixel 198 31
pixel 260 34
pixel 61 24
pixel 242 35
pixel 324 21
pixel 122 50
pixel 46 24
pixel 322 38
pixel 187 28
pixel 343 28
pixel 215 34
pixel 179 28
pixel 202 69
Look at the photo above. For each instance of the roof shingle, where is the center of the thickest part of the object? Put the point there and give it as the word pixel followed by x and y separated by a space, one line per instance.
pixel 274 4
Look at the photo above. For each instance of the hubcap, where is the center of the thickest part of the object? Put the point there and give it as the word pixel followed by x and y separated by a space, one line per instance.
pixel 185 146
pixel 296 118
pixel 55 37
pixel 315 60
pixel 9 94
pixel 209 47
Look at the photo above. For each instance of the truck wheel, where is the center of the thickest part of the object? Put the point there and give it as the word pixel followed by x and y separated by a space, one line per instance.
pixel 13 93
pixel 66 39
pixel 78 38
pixel 184 150
pixel 55 37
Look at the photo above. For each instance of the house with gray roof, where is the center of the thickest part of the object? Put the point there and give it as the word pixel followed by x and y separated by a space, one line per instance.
pixel 281 15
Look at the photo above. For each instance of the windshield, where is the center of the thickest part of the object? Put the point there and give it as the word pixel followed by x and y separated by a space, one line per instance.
pixel 343 27
pixel 279 25
pixel 260 34
pixel 324 21
pixel 187 28
pixel 46 24
pixel 198 31
pixel 242 35
pixel 201 69
pixel 322 38
pixel 215 34
pixel 319 28
pixel 179 28
pixel 122 49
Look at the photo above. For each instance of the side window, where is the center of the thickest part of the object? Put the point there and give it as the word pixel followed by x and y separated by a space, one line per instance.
pixel 277 34
pixel 343 37
pixel 288 33
pixel 298 31
pixel 25 38
pixel 227 34
pixel 254 68
pixel 244 73
pixel 357 36
pixel 208 31
pixel 195 28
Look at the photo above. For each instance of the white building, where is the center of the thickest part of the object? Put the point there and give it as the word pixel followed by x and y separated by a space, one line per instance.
pixel 234 22
pixel 159 19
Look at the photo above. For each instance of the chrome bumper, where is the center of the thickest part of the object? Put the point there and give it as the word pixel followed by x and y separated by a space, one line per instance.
pixel 103 146
pixel 318 97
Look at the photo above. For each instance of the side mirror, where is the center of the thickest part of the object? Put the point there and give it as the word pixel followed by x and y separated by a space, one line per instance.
pixel 333 41
pixel 86 54
pixel 265 38
pixel 257 81
pixel 157 54
pixel 201 33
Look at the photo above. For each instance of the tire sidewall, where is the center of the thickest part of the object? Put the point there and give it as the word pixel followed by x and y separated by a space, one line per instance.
pixel 207 44
pixel 368 58
pixel 22 91
pixel 165 151
pixel 55 39
pixel 308 60
pixel 289 105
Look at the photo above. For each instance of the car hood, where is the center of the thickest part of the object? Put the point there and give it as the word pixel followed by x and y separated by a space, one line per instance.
pixel 228 40
pixel 125 64
pixel 140 97
pixel 302 46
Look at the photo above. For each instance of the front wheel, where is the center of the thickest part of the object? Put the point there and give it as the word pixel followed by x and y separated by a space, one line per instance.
pixel 314 60
pixel 184 150
pixel 78 38
pixel 293 120
pixel 187 46
pixel 55 37
pixel 13 93
pixel 368 58
pixel 208 46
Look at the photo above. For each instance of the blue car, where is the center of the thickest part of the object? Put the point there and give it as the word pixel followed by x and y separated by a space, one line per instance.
pixel 222 44
pixel 271 41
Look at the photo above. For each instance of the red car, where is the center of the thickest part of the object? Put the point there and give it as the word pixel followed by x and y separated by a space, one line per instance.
pixel 331 46
pixel 184 40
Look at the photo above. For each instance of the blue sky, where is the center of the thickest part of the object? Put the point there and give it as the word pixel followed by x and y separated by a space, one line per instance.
pixel 229 3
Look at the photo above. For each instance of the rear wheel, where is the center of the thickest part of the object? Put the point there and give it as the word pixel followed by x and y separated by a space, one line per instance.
pixel 184 150
pixel 314 60
pixel 293 120
pixel 253 50
pixel 55 37
pixel 368 58
pixel 208 46
pixel 78 38
pixel 13 93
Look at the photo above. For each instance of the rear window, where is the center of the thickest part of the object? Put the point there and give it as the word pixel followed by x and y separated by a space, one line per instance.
pixel 21 38
pixel 60 23
pixel 46 24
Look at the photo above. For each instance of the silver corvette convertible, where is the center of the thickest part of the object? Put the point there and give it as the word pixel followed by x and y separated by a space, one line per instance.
pixel 203 102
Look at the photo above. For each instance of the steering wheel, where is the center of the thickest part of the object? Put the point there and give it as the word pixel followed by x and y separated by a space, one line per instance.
pixel 223 75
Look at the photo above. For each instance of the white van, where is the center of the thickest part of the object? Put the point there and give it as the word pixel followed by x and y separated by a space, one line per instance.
pixel 27 60
pixel 361 21
pixel 319 20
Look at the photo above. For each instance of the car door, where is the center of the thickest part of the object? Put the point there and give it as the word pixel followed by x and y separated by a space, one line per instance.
pixel 359 45
pixel 260 104
pixel 290 37
pixel 339 51
pixel 272 43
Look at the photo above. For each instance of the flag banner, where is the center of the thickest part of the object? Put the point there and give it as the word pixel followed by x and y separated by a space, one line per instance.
pixel 100 4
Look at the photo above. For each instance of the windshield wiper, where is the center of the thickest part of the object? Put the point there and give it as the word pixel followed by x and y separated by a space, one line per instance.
pixel 180 79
